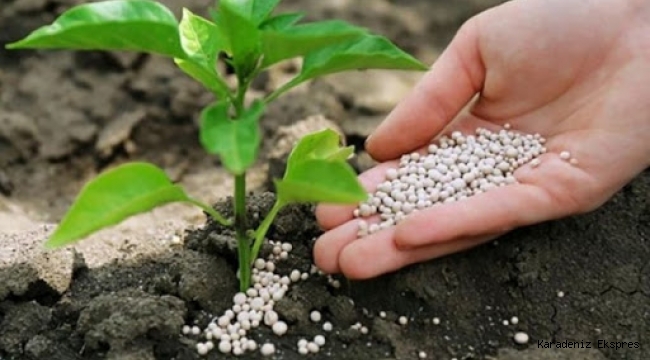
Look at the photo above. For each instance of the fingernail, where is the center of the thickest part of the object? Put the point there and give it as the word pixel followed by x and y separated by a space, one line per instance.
pixel 365 143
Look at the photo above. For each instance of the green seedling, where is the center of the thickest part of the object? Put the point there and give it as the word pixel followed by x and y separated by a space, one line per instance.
pixel 249 38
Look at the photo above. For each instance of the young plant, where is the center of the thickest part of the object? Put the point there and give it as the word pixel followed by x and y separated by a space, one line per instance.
pixel 250 38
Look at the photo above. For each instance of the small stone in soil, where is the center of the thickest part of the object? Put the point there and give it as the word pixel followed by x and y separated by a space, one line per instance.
pixel 176 240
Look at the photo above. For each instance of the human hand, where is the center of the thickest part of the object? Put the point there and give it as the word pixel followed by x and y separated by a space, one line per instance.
pixel 577 72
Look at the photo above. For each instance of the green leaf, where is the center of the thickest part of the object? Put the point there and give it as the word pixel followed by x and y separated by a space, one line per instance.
pixel 112 197
pixel 281 21
pixel 236 141
pixel 255 10
pixel 243 7
pixel 322 145
pixel 200 38
pixel 210 79
pixel 214 13
pixel 295 41
pixel 262 9
pixel 318 180
pixel 342 154
pixel 370 52
pixel 317 171
pixel 134 25
pixel 202 41
pixel 241 35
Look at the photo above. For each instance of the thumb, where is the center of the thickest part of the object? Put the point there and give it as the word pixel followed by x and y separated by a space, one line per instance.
pixel 455 77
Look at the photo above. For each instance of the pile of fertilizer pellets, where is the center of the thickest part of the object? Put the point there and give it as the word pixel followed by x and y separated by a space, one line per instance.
pixel 230 333
pixel 454 168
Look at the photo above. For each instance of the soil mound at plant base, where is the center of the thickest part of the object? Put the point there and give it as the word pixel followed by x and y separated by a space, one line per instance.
pixel 585 278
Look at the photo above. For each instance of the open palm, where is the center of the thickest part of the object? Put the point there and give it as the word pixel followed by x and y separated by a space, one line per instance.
pixel 576 72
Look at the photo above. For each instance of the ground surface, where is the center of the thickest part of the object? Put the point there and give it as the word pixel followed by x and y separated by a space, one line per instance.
pixel 65 116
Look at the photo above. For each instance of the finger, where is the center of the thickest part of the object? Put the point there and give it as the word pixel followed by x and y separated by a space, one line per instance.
pixel 495 211
pixel 377 254
pixel 455 77
pixel 330 216
pixel 329 245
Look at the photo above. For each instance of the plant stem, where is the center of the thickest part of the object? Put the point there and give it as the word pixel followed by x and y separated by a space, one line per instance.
pixel 264 228
pixel 241 224
pixel 243 243
pixel 284 88
pixel 238 101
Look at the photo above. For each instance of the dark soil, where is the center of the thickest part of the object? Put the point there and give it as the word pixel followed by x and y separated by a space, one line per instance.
pixel 55 106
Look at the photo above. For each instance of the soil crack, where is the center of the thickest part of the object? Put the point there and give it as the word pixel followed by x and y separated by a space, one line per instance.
pixel 556 324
